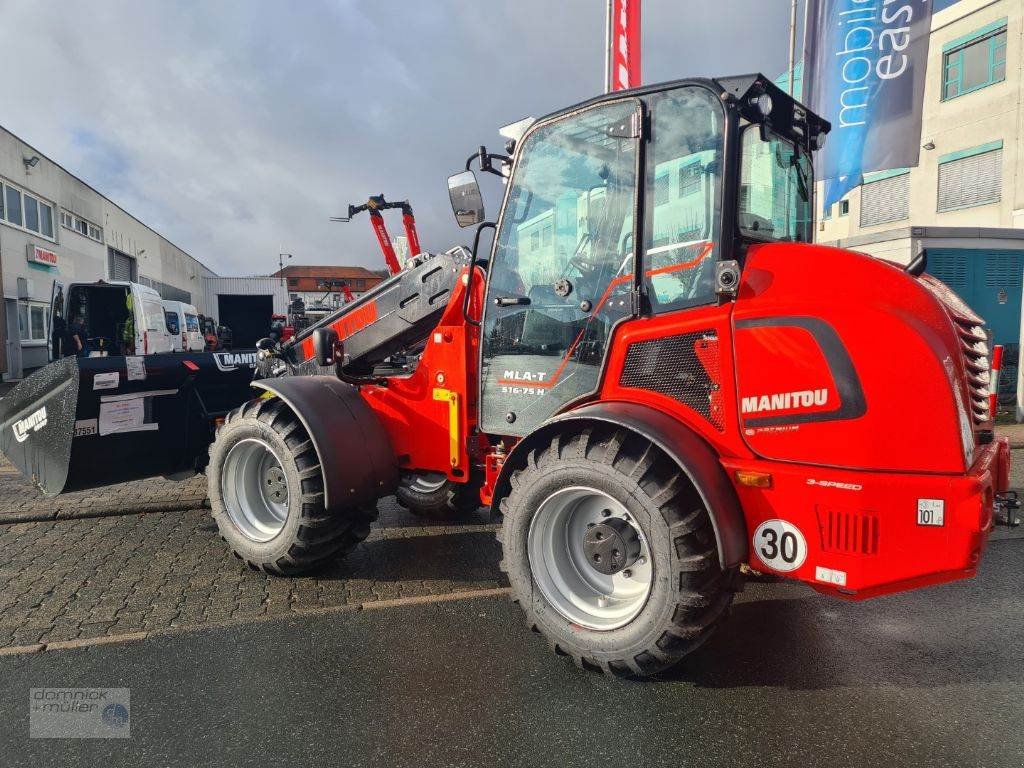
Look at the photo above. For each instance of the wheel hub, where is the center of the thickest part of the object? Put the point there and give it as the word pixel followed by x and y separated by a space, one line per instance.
pixel 611 546
pixel 569 530
pixel 254 488
pixel 276 485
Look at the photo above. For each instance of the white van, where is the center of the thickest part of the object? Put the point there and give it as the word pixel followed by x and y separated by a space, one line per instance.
pixel 183 326
pixel 119 318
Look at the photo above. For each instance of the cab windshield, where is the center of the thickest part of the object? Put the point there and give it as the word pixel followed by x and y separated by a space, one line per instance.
pixel 775 188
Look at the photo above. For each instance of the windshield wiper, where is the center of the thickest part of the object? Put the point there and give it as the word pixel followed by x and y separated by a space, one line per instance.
pixel 801 180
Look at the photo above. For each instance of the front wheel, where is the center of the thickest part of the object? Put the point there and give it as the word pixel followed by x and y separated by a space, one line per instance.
pixel 611 553
pixel 266 491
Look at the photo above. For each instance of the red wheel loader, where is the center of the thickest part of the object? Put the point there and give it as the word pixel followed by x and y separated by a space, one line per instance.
pixel 653 379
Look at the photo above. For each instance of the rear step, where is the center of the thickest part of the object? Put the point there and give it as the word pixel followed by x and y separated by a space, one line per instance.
pixel 88 422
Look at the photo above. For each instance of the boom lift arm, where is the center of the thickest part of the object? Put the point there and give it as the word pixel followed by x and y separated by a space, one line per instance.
pixel 374 205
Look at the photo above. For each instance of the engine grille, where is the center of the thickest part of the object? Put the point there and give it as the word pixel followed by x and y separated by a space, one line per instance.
pixel 683 367
pixel 974 348
pixel 848 532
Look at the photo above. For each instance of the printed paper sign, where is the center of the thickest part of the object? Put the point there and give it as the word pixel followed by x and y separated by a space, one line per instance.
pixel 106 380
pixel 124 416
pixel 136 368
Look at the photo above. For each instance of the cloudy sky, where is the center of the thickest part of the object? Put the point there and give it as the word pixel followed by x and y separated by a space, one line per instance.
pixel 238 128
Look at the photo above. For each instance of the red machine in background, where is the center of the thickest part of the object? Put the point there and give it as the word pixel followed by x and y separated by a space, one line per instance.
pixel 374 206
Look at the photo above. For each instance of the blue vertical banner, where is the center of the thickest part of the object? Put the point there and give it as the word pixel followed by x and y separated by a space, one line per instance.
pixel 864 69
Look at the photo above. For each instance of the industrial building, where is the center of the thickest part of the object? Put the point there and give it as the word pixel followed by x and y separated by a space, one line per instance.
pixel 321 285
pixel 964 202
pixel 55 227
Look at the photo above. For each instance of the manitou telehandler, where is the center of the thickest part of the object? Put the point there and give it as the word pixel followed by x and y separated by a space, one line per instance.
pixel 654 379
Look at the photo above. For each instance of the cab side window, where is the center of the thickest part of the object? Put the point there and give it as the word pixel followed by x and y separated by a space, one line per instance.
pixel 683 198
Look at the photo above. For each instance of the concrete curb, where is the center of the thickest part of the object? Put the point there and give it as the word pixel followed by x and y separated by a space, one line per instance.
pixel 13 518
pixel 134 637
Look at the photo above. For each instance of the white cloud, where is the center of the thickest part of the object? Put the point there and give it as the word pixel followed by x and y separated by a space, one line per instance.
pixel 234 128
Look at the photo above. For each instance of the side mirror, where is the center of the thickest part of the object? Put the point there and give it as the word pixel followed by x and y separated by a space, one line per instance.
pixel 327 348
pixel 467 202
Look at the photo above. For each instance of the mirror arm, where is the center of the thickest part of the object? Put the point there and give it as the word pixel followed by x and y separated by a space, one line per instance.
pixel 486 161
pixel 472 271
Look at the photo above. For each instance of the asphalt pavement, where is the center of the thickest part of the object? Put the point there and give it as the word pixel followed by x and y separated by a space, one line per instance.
pixel 932 677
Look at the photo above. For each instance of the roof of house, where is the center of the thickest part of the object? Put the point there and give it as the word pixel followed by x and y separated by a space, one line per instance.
pixel 328 271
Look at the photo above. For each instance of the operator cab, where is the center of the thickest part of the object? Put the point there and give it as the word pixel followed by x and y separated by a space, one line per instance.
pixel 695 171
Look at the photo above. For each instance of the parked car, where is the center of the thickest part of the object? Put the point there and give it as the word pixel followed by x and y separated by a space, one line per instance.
pixel 182 322
pixel 118 317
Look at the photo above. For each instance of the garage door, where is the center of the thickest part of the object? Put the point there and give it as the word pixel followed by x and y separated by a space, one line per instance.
pixel 991 283
pixel 122 266
pixel 248 317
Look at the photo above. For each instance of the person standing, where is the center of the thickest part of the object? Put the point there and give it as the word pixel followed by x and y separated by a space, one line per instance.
pixel 78 336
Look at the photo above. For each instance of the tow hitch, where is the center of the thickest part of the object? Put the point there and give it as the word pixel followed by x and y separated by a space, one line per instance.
pixel 1004 511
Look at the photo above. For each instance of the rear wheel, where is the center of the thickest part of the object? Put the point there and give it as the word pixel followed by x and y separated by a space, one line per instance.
pixel 433 495
pixel 267 493
pixel 611 553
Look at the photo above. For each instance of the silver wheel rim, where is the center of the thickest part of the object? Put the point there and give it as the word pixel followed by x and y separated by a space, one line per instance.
pixel 254 487
pixel 426 482
pixel 562 571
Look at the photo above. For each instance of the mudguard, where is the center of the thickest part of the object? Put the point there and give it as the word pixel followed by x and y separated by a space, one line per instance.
pixel 693 455
pixel 354 448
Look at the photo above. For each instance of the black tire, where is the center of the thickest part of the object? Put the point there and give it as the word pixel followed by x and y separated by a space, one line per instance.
pixel 690 592
pixel 450 500
pixel 311 535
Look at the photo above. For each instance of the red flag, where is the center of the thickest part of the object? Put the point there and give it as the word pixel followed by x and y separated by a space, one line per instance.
pixel 623 44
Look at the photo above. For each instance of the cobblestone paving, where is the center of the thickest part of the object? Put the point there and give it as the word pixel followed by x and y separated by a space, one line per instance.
pixel 20 501
pixel 130 571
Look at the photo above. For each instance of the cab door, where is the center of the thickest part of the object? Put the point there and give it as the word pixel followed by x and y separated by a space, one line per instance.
pixel 563 272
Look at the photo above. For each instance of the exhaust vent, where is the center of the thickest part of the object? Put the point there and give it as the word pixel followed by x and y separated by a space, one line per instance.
pixel 848 532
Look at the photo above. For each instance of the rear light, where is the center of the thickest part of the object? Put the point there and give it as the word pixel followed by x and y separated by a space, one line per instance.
pixel 145 342
pixel 184 342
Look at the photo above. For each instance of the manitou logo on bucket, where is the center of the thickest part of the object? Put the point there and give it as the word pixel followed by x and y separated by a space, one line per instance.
pixel 31 423
pixel 785 401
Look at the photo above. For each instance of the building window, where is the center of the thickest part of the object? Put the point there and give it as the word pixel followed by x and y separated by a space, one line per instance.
pixel 293 281
pixel 826 212
pixel 13 198
pixel 32 323
pixel 971 177
pixel 359 284
pixel 81 226
pixel 20 209
pixel 975 63
pixel 661 189
pixel 885 199
pixel 844 207
pixel 689 179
